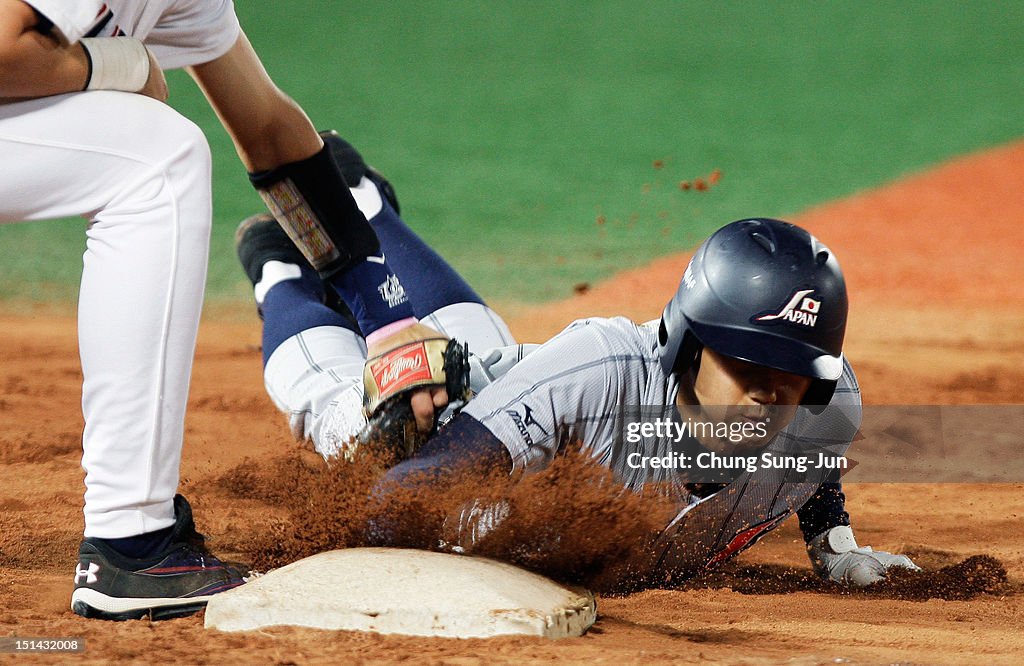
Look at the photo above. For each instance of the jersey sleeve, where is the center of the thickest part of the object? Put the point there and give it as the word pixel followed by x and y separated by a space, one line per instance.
pixel 194 32
pixel 71 19
pixel 552 397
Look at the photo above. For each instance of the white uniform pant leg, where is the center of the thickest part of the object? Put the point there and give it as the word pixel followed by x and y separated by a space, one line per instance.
pixel 476 324
pixel 316 378
pixel 141 172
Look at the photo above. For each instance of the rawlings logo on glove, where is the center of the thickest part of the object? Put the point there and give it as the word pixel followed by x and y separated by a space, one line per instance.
pixel 400 367
pixel 429 362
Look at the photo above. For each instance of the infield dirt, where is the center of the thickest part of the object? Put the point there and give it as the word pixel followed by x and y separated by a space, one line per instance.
pixel 934 265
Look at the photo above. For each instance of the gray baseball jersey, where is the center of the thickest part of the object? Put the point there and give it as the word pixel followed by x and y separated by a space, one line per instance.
pixel 584 385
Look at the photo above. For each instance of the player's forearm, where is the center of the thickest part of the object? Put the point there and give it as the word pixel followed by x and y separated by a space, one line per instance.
pixel 267 127
pixel 32 64
pixel 289 136
pixel 463 449
pixel 281 136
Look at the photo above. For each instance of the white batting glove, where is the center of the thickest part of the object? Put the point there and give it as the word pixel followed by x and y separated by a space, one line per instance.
pixel 475 519
pixel 835 555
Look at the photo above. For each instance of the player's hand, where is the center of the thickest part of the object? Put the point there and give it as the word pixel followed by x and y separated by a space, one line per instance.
pixel 835 555
pixel 400 364
pixel 426 403
pixel 156 85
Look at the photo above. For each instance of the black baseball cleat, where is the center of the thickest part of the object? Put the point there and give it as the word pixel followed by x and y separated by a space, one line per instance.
pixel 353 167
pixel 175 583
pixel 387 190
pixel 259 239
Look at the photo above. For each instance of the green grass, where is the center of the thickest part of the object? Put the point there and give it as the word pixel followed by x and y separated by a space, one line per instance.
pixel 510 127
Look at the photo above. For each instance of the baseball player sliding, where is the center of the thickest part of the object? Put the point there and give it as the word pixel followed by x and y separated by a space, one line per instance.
pixel 752 341
pixel 84 131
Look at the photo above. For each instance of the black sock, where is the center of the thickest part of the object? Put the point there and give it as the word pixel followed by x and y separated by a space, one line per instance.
pixel 142 546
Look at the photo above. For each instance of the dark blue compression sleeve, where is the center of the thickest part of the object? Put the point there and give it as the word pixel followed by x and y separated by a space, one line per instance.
pixel 464 446
pixel 429 280
pixel 826 509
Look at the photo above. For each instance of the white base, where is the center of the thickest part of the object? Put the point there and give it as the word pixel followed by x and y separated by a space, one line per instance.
pixel 412 592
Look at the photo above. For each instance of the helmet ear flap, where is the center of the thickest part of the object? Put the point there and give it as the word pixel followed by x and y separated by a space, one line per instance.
pixel 689 353
pixel 819 395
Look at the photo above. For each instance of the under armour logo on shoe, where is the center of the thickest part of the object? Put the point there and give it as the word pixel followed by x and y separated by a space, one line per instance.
pixel 90 573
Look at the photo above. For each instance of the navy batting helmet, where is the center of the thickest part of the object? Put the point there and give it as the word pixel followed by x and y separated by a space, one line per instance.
pixel 763 291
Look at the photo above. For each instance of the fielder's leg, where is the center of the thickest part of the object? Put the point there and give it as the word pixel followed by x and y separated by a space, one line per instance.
pixel 141 173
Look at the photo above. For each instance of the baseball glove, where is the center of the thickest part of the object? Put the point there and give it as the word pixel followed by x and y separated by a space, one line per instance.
pixel 391 378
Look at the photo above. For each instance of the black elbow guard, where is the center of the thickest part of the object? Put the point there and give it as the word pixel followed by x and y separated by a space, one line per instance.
pixel 311 201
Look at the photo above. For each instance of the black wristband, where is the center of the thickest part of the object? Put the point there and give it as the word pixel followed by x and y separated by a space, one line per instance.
pixel 823 511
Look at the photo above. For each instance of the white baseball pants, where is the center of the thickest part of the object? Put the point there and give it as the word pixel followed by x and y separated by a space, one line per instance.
pixel 140 173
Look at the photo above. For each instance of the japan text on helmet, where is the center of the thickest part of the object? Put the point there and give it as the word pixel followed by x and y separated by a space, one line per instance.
pixel 763 291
